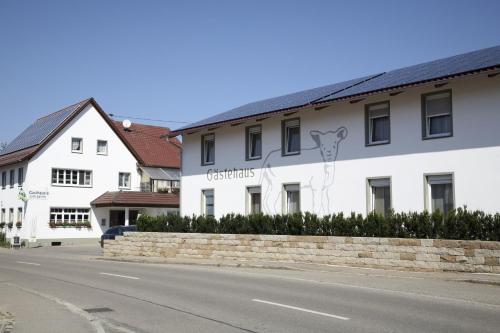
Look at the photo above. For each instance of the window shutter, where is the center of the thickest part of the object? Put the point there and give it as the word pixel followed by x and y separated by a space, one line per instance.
pixel 292 187
pixel 382 182
pixel 438 104
pixel 379 110
pixel 439 179
pixel 254 129
pixel 292 123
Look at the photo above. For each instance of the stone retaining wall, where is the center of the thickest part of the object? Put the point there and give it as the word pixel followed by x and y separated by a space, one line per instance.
pixel 415 254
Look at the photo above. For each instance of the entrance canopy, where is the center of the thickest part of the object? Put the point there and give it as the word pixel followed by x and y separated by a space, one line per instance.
pixel 136 199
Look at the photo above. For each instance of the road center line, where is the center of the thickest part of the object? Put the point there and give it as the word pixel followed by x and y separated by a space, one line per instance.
pixel 122 276
pixel 301 309
pixel 28 263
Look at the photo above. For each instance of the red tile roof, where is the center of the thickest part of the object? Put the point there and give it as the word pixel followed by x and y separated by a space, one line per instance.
pixel 151 146
pixel 136 199
pixel 18 156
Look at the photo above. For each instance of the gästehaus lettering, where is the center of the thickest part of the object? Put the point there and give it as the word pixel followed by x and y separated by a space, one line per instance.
pixel 235 173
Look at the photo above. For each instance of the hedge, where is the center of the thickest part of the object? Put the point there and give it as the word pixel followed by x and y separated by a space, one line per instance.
pixel 458 224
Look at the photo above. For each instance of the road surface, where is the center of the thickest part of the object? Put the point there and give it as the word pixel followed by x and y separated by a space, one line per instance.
pixel 56 289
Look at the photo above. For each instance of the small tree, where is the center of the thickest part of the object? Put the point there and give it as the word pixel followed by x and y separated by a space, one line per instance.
pixel 2 146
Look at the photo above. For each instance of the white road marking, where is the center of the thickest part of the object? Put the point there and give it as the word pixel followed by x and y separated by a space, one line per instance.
pixel 122 276
pixel 301 309
pixel 28 263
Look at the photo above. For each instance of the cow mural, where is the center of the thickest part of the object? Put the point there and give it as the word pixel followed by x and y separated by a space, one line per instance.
pixel 320 184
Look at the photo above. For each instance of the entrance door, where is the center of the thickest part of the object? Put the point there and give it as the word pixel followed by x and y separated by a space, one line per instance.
pixel 116 217
pixel 132 215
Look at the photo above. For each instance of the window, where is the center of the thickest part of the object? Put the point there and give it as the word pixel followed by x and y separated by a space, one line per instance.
pixel 4 179
pixel 102 147
pixel 439 192
pixel 2 217
pixel 69 215
pixel 208 202
pixel 291 203
pixel 12 178
pixel 377 123
pixel 20 177
pixel 124 180
pixel 254 142
pixel 379 194
pixel 19 214
pixel 76 145
pixel 254 200
pixel 208 149
pixel 11 215
pixel 290 137
pixel 437 115
pixel 66 177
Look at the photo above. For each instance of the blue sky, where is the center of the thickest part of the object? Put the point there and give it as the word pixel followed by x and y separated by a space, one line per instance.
pixel 187 60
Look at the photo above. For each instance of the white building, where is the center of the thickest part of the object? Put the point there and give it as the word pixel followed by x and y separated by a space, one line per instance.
pixel 419 138
pixel 74 173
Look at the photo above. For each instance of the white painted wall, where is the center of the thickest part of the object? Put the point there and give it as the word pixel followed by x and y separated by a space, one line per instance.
pixel 472 154
pixel 90 126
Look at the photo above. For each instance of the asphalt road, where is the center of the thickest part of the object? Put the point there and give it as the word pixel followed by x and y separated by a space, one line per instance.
pixel 49 288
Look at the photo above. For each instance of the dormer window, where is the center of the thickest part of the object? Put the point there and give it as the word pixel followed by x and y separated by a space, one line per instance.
pixel 77 145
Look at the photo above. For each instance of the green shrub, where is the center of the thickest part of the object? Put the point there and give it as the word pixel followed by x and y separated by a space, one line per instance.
pixel 457 224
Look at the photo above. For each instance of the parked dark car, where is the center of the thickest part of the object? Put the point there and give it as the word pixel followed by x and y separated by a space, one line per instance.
pixel 118 230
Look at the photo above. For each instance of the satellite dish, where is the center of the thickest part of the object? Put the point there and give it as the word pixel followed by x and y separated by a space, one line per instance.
pixel 126 124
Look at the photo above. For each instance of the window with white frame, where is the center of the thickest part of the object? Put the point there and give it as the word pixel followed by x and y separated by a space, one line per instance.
pixel 254 142
pixel 2 217
pixel 102 147
pixel 11 214
pixel 208 149
pixel 4 179
pixel 439 192
pixel 290 137
pixel 68 177
pixel 291 196
pixel 12 178
pixel 378 130
pixel 69 215
pixel 124 180
pixel 20 177
pixel 254 200
pixel 437 114
pixel 76 145
pixel 19 214
pixel 207 202
pixel 379 195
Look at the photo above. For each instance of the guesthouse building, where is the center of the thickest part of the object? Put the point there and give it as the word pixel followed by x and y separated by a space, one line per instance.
pixel 423 137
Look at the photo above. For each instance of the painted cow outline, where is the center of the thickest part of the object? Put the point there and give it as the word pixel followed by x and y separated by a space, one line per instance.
pixel 319 184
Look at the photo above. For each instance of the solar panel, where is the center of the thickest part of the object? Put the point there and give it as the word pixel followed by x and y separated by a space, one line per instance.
pixel 462 63
pixel 279 103
pixel 40 129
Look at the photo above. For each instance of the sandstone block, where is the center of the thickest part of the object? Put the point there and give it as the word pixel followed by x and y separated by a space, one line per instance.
pixel 365 255
pixel 407 256
pixel 492 261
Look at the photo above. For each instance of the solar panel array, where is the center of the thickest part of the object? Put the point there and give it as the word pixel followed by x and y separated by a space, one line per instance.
pixel 463 63
pixel 40 129
pixel 279 103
